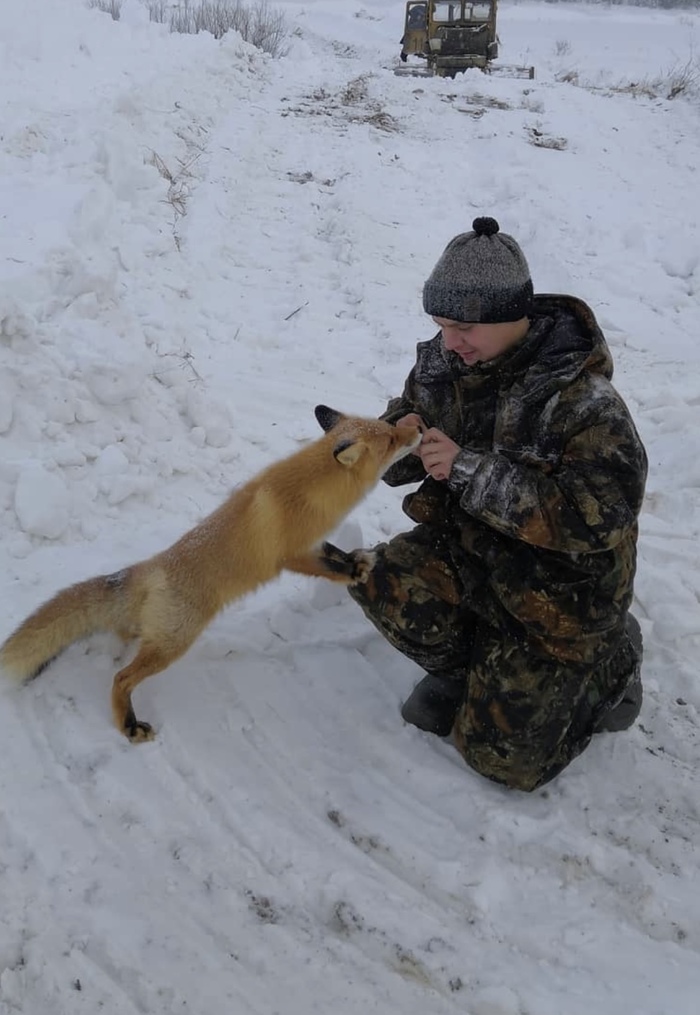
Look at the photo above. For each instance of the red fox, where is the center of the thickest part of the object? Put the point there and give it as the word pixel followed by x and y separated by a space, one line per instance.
pixel 274 522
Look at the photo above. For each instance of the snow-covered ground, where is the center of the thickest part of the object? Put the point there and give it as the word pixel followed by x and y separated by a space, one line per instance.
pixel 198 244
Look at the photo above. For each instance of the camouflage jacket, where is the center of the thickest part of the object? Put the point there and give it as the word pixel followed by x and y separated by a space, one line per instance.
pixel 540 508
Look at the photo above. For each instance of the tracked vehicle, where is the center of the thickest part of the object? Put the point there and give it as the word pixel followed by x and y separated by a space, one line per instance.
pixel 451 36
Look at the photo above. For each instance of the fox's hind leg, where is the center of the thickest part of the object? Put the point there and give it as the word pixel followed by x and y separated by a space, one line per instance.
pixel 149 659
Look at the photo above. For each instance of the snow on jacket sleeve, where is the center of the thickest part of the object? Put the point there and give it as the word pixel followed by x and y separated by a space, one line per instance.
pixel 587 501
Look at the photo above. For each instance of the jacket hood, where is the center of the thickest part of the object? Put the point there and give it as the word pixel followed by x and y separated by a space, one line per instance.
pixel 568 341
pixel 563 341
pixel 521 389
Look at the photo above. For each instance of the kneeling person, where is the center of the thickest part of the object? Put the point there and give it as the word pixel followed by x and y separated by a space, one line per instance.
pixel 513 589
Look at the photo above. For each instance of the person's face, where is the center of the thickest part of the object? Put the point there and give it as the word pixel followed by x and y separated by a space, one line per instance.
pixel 479 343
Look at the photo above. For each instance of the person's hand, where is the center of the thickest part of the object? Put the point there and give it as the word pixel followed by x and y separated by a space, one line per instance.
pixel 412 419
pixel 437 452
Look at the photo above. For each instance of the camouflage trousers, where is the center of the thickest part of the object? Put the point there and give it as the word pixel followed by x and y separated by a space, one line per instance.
pixel 524 717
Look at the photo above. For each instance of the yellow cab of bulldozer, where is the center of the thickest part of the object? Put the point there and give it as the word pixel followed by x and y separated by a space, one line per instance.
pixel 425 17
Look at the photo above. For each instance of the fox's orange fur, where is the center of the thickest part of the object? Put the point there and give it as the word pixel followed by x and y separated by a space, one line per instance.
pixel 272 523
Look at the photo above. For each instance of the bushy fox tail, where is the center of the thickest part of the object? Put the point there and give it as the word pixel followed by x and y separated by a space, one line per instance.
pixel 98 604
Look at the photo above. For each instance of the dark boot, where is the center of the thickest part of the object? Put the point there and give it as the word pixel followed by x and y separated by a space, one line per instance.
pixel 434 702
pixel 622 715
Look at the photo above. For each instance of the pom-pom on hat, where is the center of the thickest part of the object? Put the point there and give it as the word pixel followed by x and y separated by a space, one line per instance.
pixel 482 277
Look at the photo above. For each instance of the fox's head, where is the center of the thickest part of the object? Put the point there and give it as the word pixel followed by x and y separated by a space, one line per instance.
pixel 367 445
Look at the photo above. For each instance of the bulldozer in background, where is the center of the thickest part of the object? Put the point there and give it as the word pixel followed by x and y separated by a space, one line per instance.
pixel 452 36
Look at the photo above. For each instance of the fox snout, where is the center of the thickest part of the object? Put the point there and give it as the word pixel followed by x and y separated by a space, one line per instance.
pixel 408 439
pixel 413 436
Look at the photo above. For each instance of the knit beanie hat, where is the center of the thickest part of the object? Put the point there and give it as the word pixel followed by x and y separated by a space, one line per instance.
pixel 481 277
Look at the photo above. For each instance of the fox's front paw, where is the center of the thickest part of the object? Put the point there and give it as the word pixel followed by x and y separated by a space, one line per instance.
pixel 355 565
pixel 364 563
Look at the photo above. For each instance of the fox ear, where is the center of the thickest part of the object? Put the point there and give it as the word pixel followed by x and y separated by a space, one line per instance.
pixel 348 452
pixel 327 418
